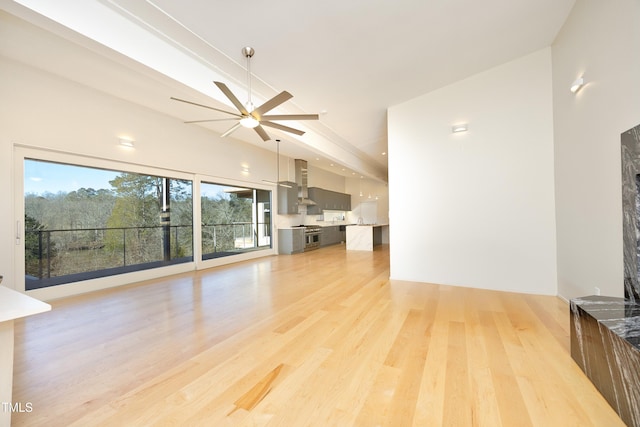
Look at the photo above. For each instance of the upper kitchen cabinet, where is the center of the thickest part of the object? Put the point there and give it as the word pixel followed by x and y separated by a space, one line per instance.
pixel 287 198
pixel 328 200
pixel 346 202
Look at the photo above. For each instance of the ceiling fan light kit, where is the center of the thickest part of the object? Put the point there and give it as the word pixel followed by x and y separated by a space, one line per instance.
pixel 253 118
pixel 249 122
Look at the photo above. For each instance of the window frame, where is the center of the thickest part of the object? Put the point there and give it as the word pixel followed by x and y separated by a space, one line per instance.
pixel 197 207
pixel 257 228
pixel 26 152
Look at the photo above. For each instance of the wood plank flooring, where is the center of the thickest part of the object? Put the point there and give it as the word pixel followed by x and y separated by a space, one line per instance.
pixel 315 339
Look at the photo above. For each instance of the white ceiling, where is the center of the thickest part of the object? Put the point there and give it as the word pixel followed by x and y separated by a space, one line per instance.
pixel 350 58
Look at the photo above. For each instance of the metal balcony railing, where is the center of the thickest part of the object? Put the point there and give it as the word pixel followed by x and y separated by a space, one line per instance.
pixel 228 239
pixel 62 256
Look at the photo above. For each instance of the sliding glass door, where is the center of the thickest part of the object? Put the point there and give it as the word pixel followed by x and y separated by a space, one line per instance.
pixel 234 219
pixel 82 222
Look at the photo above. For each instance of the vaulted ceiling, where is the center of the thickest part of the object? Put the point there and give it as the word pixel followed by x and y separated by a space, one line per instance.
pixel 348 60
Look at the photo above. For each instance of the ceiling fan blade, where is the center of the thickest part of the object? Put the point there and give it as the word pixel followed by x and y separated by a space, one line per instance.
pixel 210 120
pixel 272 103
pixel 205 106
pixel 223 87
pixel 260 131
pixel 230 131
pixel 291 117
pixel 282 127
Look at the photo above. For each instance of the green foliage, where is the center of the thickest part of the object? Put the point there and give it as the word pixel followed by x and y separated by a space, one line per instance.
pixel 226 209
pixel 138 201
pixel 34 251
pixel 84 208
pixel 181 202
pixel 95 229
pixel 219 214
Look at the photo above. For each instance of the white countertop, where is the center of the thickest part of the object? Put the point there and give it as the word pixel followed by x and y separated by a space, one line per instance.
pixel 363 237
pixel 14 305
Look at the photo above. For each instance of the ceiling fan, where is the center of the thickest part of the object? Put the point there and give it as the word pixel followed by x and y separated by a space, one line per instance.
pixel 250 117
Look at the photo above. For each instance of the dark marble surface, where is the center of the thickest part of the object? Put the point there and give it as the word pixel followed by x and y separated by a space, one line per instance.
pixel 630 154
pixel 605 343
pixel 621 316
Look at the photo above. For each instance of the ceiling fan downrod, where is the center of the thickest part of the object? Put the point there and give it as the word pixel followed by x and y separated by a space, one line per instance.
pixel 248 52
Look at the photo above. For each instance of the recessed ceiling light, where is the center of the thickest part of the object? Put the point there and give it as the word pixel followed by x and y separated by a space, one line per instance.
pixel 384 153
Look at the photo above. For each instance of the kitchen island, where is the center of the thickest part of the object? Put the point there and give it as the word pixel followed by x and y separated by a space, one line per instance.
pixel 363 237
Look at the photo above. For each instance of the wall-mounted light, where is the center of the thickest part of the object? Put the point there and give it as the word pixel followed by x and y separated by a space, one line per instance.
pixel 463 127
pixel 126 142
pixel 577 84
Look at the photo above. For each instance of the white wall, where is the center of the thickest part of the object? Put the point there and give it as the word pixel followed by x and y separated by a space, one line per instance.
pixel 324 179
pixel 373 205
pixel 476 209
pixel 45 112
pixel 602 40
pixel 41 110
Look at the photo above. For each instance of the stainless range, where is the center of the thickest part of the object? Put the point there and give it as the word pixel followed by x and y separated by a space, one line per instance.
pixel 311 237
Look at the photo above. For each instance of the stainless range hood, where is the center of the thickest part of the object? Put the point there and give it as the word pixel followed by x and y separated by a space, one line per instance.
pixel 301 181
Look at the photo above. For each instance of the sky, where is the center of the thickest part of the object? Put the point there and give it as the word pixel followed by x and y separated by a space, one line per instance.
pixel 42 177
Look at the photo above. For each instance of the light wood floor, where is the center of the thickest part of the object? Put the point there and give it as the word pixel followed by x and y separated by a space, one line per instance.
pixel 318 339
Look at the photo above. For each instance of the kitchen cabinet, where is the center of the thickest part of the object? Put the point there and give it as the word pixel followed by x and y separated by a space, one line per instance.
pixel 330 235
pixel 288 198
pixel 328 200
pixel 290 240
pixel 316 195
pixel 343 233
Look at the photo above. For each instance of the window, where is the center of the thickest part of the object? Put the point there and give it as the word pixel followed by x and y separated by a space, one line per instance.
pixel 82 223
pixel 234 220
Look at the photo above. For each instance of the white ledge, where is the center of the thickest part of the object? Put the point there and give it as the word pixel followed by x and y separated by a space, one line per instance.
pixel 14 305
